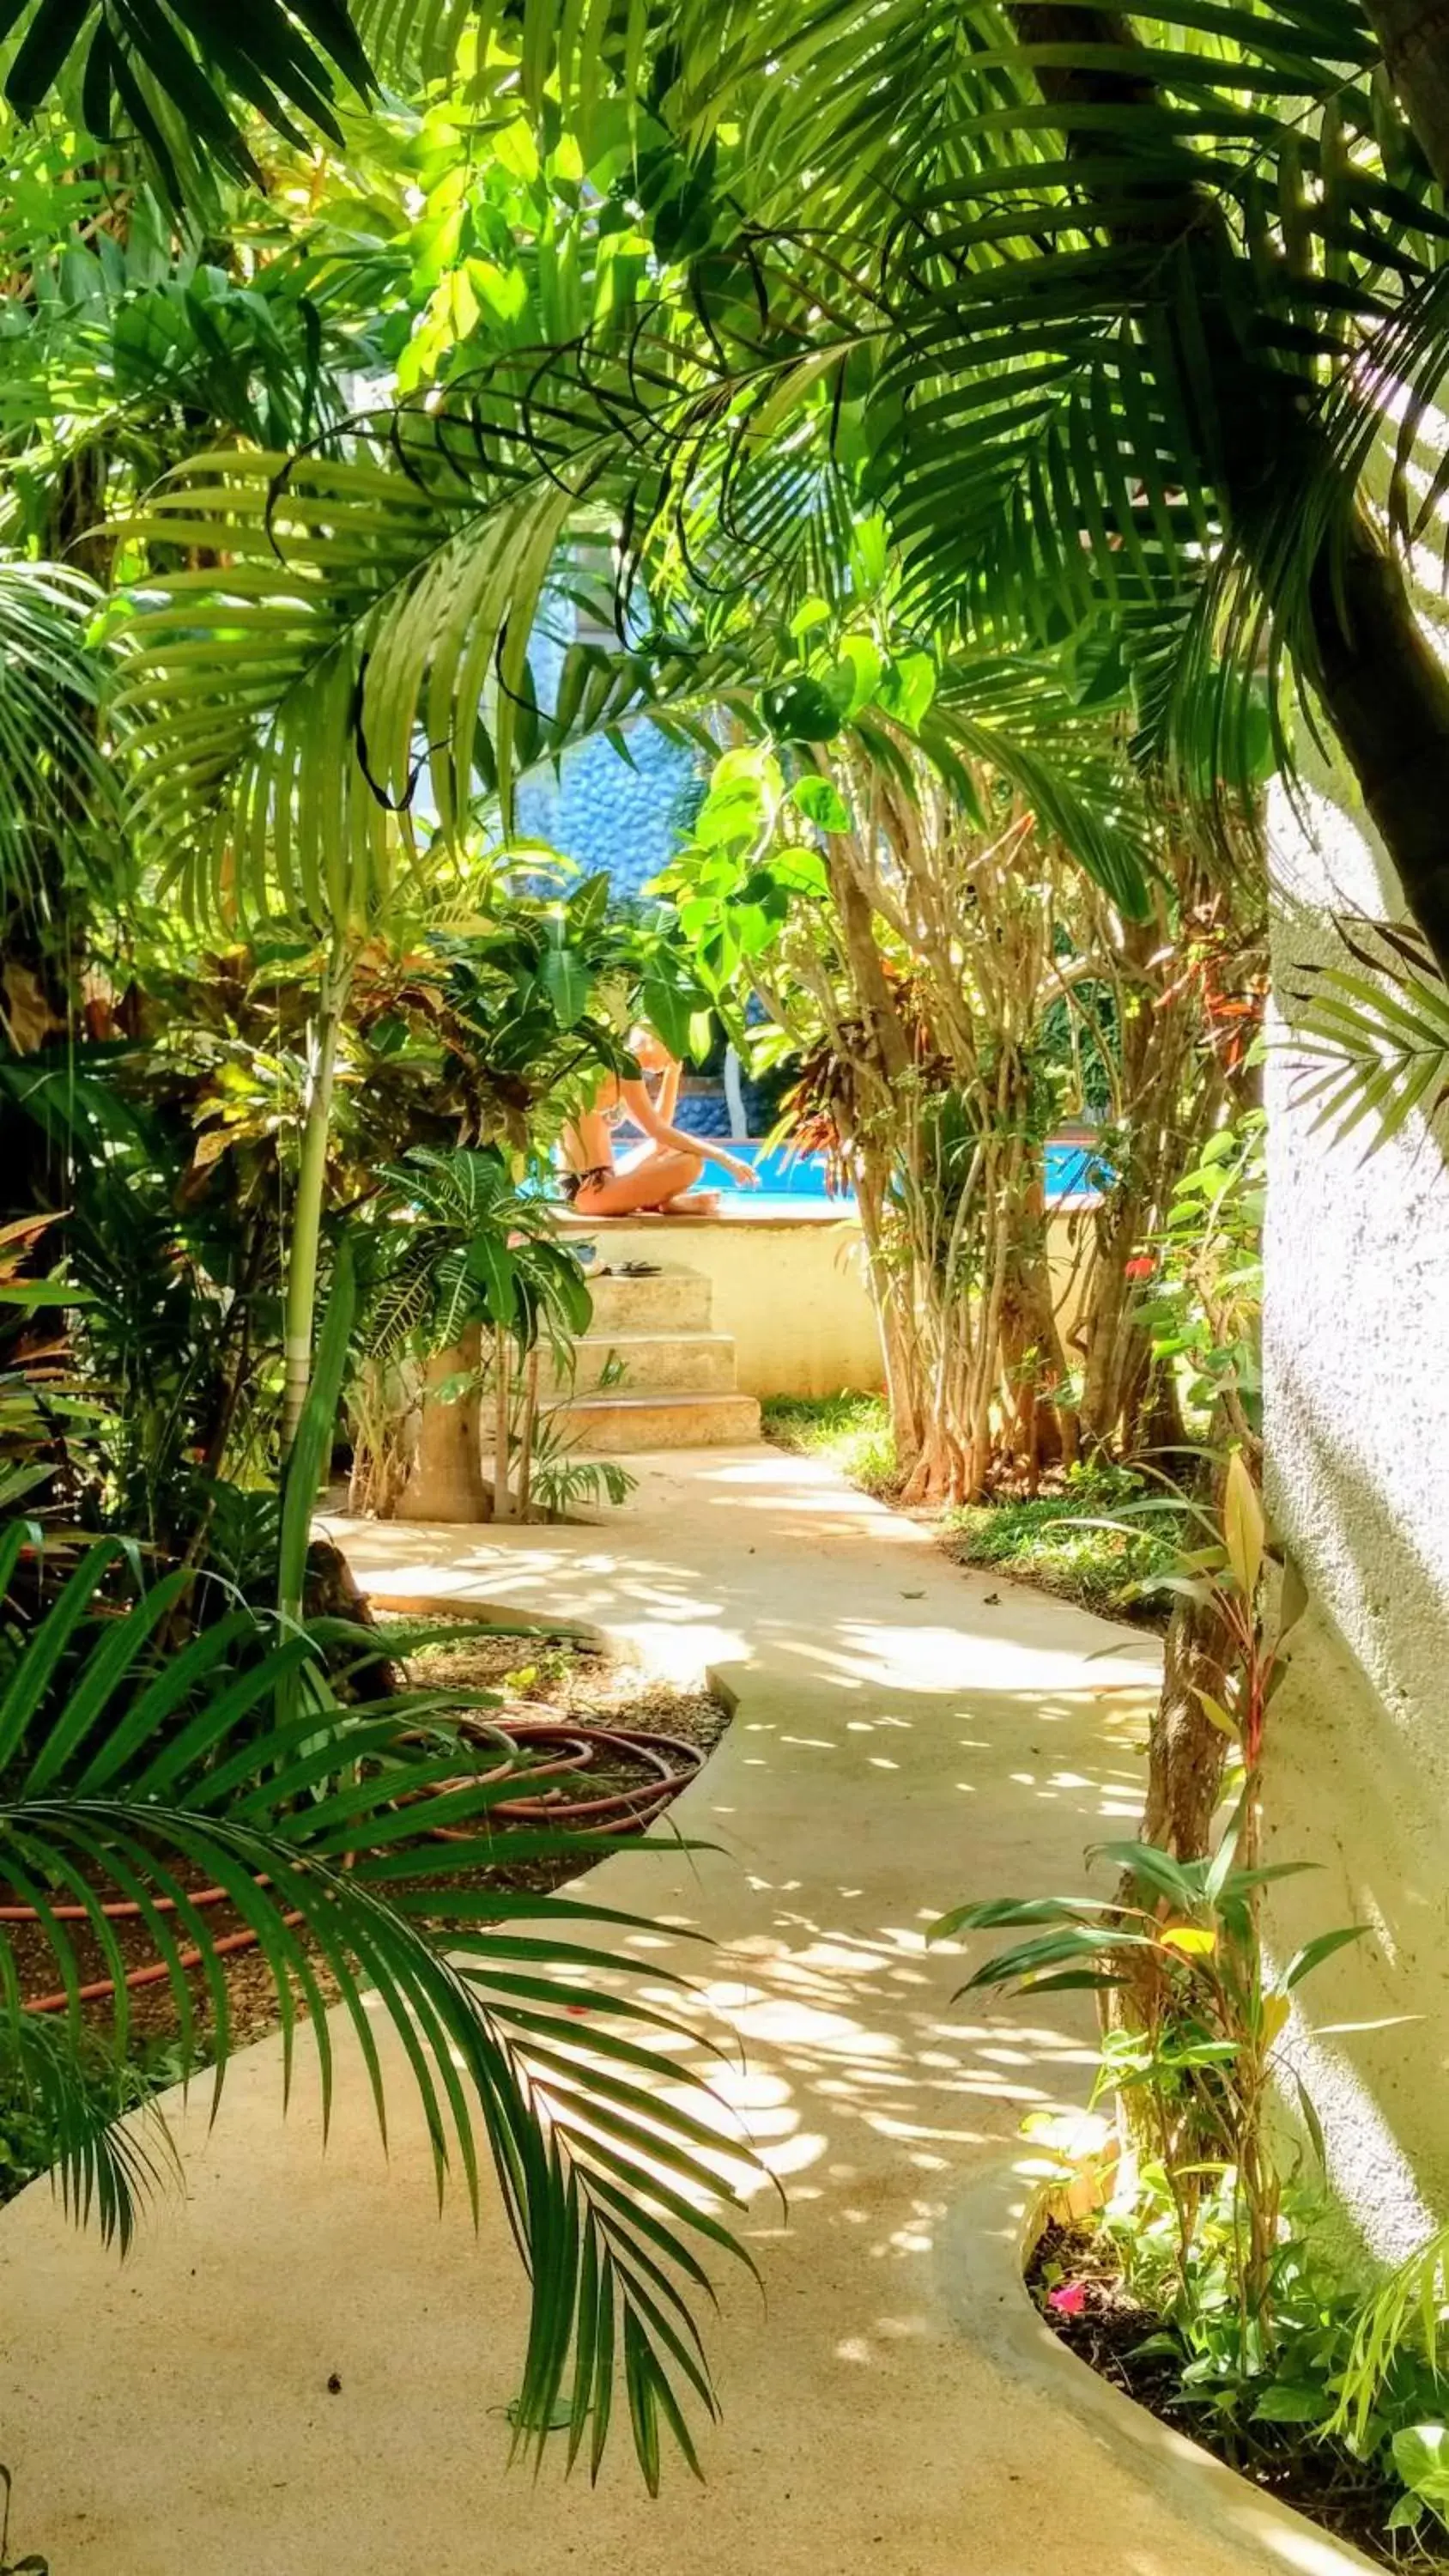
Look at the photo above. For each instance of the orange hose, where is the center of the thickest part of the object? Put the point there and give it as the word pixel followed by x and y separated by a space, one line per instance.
pixel 152 1975
pixel 121 1911
pixel 626 1806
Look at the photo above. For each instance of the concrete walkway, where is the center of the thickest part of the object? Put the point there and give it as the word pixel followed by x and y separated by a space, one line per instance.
pixel 907 1735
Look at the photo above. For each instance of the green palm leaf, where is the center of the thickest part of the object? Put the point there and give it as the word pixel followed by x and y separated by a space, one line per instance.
pixel 134 1776
pixel 179 75
pixel 314 724
pixel 1373 1045
pixel 50 683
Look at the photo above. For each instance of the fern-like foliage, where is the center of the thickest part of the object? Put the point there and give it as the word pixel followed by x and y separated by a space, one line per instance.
pixel 50 686
pixel 141 1771
pixel 1373 1039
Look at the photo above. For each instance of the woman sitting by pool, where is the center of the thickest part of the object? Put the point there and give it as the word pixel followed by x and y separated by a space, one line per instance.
pixel 657 1176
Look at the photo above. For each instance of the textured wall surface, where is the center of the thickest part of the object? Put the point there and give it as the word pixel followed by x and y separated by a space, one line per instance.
pixel 598 808
pixel 1357 1366
pixel 790 1290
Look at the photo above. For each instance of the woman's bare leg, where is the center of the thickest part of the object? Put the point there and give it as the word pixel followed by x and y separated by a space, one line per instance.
pixel 644 1187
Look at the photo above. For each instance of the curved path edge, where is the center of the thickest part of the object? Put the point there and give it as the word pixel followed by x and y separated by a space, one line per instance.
pixel 985 2244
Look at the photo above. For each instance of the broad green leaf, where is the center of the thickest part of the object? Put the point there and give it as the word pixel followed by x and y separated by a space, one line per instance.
pixel 821 802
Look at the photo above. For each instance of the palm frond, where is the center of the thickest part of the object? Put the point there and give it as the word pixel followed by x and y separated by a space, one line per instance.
pixel 312 723
pixel 181 76
pixel 50 682
pixel 1372 1041
pixel 163 1781
pixel 84 2115
pixel 1015 717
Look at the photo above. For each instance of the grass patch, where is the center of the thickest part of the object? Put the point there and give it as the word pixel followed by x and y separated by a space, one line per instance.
pixel 1038 1541
pixel 853 1431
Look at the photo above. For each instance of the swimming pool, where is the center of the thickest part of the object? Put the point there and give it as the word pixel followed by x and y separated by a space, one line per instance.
pixel 1072 1171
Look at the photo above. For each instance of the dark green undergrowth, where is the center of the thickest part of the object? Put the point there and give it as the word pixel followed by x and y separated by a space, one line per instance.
pixel 1047 1539
pixel 30 2144
pixel 1054 1540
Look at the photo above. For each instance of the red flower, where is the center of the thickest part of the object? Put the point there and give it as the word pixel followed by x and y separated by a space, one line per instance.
pixel 1141 1266
pixel 1069 2300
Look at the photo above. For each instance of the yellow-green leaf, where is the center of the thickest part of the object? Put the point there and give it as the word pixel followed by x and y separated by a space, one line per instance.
pixel 1276 2009
pixel 1216 1715
pixel 1244 1527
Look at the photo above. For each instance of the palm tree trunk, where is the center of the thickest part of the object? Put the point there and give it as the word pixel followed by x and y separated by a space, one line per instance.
pixel 1385 693
pixel 1415 37
pixel 1388 696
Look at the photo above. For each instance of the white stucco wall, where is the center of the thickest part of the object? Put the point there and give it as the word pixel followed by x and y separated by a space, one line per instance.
pixel 792 1292
pixel 1356 1352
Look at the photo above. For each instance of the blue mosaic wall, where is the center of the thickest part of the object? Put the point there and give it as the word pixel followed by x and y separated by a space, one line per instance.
pixel 604 814
pixel 600 811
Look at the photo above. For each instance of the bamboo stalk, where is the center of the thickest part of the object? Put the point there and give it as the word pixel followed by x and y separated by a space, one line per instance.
pixel 525 1435
pixel 307 1206
pixel 502 1400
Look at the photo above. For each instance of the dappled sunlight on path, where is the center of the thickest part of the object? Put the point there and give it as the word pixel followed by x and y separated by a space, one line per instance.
pixel 907 1735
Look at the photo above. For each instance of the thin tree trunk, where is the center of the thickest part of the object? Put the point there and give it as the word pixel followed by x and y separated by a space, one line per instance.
pixel 899 1355
pixel 301 1301
pixel 1184 1779
pixel 1186 1770
pixel 502 1392
pixel 1153 1427
pixel 525 1434
pixel 868 974
pixel 1105 1335
pixel 1045 1426
pixel 978 1459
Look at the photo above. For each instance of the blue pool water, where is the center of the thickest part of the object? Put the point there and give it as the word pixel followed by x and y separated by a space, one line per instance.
pixel 783 1175
pixel 1070 1169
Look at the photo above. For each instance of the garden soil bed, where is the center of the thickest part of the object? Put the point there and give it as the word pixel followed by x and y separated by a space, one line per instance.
pixel 1319 2479
pixel 541 1679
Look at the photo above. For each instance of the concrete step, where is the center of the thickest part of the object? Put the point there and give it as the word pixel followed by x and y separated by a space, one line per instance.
pixel 617 1426
pixel 672 1301
pixel 674 1363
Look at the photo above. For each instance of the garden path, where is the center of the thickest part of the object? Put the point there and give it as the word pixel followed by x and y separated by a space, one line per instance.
pixel 907 1734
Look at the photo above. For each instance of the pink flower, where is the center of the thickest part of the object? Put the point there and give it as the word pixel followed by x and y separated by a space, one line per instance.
pixel 1069 2300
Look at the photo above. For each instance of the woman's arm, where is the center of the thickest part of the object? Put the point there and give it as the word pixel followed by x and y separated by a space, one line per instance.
pixel 667 1099
pixel 644 1114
